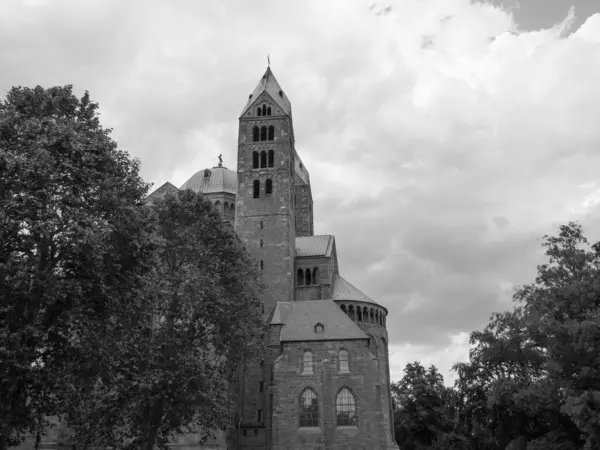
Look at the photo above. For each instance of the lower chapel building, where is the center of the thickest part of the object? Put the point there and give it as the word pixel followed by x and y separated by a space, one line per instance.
pixel 324 383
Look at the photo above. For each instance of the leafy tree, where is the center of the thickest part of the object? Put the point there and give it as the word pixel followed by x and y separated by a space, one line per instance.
pixel 74 244
pixel 425 414
pixel 171 367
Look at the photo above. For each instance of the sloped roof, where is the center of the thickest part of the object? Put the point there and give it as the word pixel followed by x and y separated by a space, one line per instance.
pixel 163 190
pixel 299 320
pixel 314 245
pixel 269 84
pixel 219 179
pixel 343 290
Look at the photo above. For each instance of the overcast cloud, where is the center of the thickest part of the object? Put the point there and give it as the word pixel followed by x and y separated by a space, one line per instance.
pixel 443 137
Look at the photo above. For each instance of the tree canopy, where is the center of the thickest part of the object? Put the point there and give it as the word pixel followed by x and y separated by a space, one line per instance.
pixel 533 376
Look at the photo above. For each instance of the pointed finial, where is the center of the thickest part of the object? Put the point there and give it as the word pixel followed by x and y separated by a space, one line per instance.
pixel 221 160
pixel 268 60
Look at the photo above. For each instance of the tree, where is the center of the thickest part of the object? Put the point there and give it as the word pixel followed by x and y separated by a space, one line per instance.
pixel 425 413
pixel 172 368
pixel 75 242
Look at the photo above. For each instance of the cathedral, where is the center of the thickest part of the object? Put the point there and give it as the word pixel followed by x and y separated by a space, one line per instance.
pixel 324 383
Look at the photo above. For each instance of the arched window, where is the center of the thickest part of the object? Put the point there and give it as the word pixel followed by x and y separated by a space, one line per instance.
pixel 268 111
pixel 300 277
pixel 218 205
pixel 264 110
pixel 343 358
pixel 255 134
pixel 345 409
pixel 269 186
pixel 271 158
pixel 343 308
pixel 372 316
pixel 271 132
pixel 226 208
pixel 256 188
pixel 258 111
pixel 308 277
pixel 309 409
pixel 255 160
pixel 359 315
pixel 307 362
pixel 315 275
pixel 263 133
pixel 372 345
pixel 263 159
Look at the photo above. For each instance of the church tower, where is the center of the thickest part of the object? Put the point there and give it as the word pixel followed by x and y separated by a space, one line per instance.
pixel 265 210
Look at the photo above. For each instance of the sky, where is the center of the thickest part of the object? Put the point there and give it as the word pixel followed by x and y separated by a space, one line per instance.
pixel 444 138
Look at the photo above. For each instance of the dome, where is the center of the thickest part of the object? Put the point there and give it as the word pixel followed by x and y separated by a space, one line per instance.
pixel 217 179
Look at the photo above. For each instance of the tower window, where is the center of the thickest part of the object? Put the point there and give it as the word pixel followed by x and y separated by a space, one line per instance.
pixel 307 362
pixel 309 409
pixel 300 277
pixel 261 242
pixel 261 386
pixel 256 189
pixel 271 158
pixel 269 187
pixel 263 133
pixel 271 132
pixel 255 160
pixel 307 277
pixel 262 264
pixel 343 358
pixel 264 110
pixel 345 409
pixel 261 224
pixel 255 134
pixel 259 415
pixel 263 159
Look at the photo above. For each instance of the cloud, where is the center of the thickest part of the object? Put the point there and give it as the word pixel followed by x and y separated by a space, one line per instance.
pixel 438 167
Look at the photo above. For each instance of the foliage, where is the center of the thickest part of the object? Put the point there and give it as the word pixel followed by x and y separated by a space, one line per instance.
pixel 73 245
pixel 171 366
pixel 533 376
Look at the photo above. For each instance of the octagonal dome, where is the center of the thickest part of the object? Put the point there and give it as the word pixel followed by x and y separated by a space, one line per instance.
pixel 217 179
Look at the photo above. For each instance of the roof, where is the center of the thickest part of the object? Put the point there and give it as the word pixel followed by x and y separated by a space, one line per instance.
pixel 314 245
pixel 343 290
pixel 269 84
pixel 160 192
pixel 219 179
pixel 299 320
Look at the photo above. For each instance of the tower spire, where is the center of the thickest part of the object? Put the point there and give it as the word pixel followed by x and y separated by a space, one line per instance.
pixel 268 60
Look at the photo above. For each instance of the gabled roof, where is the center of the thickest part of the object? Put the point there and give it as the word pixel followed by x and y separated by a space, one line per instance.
pixel 269 84
pixel 217 179
pixel 163 190
pixel 314 245
pixel 299 320
pixel 343 290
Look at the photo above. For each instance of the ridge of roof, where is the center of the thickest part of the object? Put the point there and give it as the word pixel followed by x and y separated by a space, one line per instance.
pixel 300 318
pixel 344 290
pixel 219 179
pixel 269 84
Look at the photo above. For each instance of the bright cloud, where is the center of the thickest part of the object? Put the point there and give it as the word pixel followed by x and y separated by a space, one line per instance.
pixel 441 138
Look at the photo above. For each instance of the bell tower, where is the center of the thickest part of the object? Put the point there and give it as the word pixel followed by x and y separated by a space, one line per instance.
pixel 265 210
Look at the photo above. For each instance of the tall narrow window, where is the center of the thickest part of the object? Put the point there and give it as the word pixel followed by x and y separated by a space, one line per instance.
pixel 269 111
pixel 309 409
pixel 269 187
pixel 344 361
pixel 256 188
pixel 255 134
pixel 271 158
pixel 259 415
pixel 300 277
pixel 315 277
pixel 263 133
pixel 308 277
pixel 345 409
pixel 261 242
pixel 307 362
pixel 218 205
pixel 262 264
pixel 258 111
pixel 264 110
pixel 255 160
pixel 271 132
pixel 263 159
pixel 261 386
